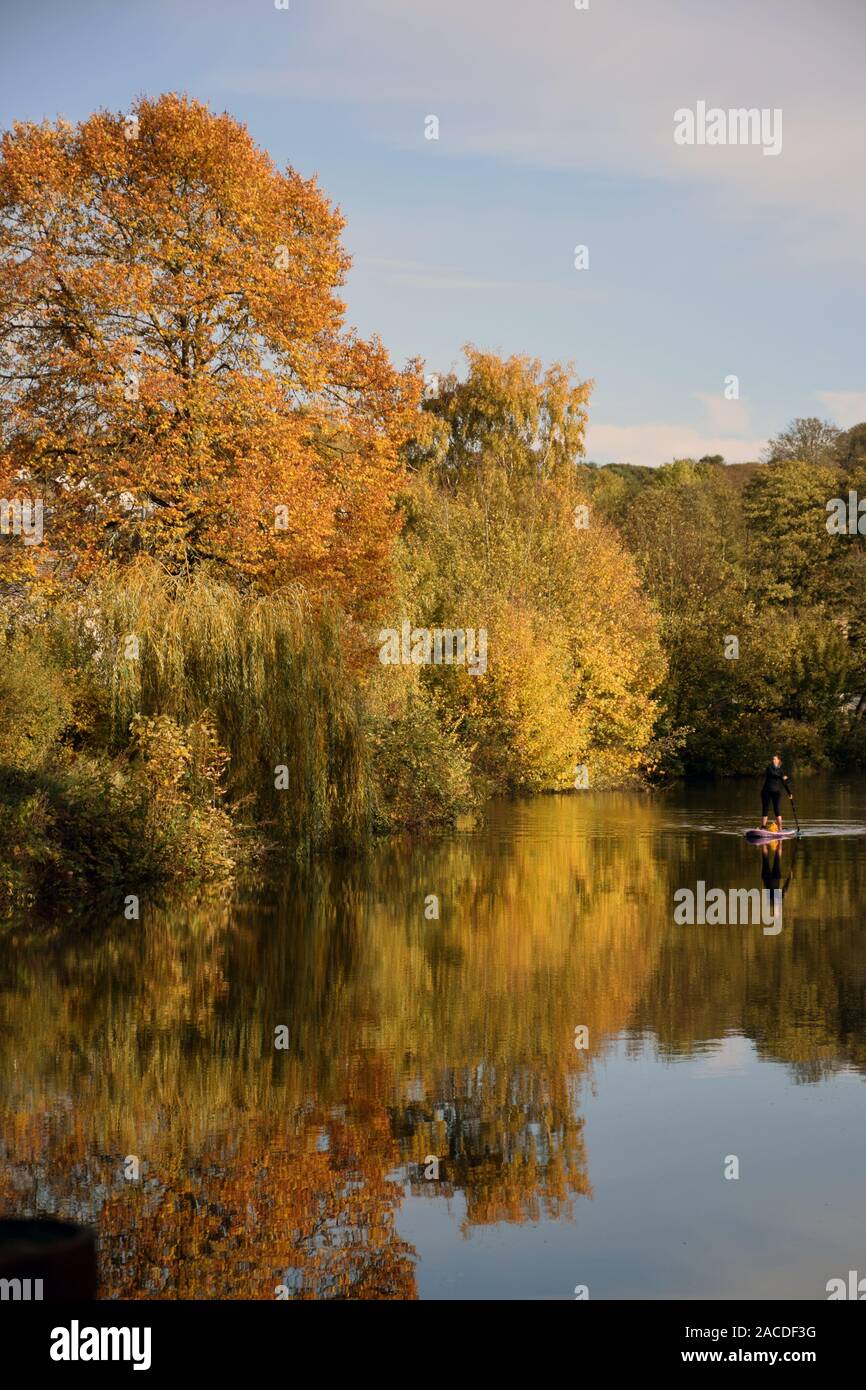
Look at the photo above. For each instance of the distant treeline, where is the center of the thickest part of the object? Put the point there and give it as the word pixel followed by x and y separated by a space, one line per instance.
pixel 760 598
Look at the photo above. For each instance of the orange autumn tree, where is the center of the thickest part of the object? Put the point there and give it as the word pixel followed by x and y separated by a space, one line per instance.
pixel 175 376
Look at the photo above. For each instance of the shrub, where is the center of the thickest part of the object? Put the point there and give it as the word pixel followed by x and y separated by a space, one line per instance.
pixel 152 814
pixel 35 703
pixel 26 850
pixel 423 776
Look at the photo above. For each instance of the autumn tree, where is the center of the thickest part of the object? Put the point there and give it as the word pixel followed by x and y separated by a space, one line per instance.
pixel 175 376
pixel 805 440
pixel 526 418
pixel 499 536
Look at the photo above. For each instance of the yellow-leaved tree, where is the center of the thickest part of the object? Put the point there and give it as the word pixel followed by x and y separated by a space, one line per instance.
pixel 499 537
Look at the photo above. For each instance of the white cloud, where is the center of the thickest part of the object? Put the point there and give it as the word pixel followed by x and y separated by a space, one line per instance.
pixel 725 417
pixel 656 442
pixel 596 90
pixel 846 407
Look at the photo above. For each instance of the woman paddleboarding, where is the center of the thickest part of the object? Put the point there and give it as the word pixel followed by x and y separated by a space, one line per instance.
pixel 775 779
pixel 771 792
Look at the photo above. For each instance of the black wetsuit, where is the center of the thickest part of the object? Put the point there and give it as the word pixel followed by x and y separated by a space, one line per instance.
pixel 774 781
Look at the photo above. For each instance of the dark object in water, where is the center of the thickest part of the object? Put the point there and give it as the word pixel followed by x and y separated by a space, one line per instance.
pixel 48 1260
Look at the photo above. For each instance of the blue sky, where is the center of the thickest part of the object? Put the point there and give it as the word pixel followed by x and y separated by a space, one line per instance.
pixel 555 129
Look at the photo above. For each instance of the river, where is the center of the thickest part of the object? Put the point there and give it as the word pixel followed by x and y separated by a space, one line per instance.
pixel 490 1065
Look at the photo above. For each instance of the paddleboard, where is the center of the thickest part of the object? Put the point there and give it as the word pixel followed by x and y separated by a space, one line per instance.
pixel 759 836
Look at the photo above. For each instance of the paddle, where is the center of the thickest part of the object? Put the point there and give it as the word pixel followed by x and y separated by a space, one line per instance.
pixel 794 809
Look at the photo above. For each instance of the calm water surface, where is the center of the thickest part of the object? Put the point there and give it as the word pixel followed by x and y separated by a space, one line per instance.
pixel 419 1047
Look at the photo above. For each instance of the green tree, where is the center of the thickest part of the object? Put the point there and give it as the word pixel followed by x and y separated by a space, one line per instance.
pixel 851 446
pixel 792 557
pixel 805 440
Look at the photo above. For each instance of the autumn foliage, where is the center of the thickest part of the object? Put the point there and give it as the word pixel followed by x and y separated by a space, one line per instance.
pixel 237 491
pixel 175 376
pixel 499 536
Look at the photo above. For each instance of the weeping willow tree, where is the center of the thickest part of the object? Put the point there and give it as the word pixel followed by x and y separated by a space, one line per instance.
pixel 273 673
